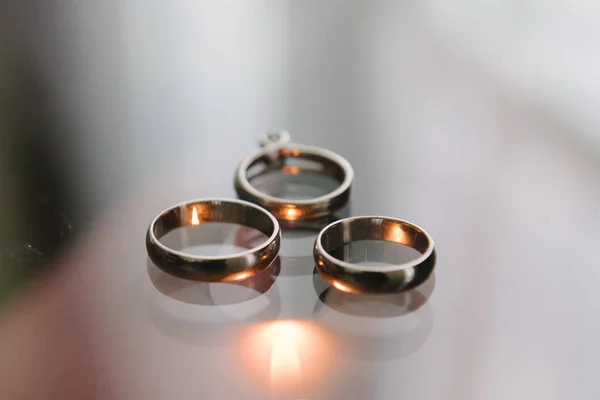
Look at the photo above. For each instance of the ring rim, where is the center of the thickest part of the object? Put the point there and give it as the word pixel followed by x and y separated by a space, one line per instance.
pixel 181 259
pixel 324 260
pixel 317 206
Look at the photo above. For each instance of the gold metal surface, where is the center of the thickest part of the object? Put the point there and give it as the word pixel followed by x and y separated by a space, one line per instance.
pixel 356 278
pixel 234 267
pixel 276 149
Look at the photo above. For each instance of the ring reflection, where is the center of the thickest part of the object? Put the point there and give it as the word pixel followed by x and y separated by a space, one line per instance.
pixel 208 314
pixel 376 326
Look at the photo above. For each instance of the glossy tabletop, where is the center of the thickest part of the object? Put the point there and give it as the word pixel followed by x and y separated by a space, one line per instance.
pixel 510 198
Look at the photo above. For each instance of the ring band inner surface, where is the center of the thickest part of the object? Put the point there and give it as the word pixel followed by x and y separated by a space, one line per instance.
pixel 319 164
pixel 213 211
pixel 354 230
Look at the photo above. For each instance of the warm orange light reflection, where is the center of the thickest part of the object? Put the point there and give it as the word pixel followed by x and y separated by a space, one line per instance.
pixel 396 234
pixel 292 213
pixel 291 170
pixel 238 276
pixel 288 356
pixel 284 370
pixel 195 219
pixel 340 286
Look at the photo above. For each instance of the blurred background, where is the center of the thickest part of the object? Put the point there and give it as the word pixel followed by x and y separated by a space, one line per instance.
pixel 99 101
pixel 127 87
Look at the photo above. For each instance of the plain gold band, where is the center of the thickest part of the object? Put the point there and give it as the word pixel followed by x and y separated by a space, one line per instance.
pixel 356 278
pixel 213 268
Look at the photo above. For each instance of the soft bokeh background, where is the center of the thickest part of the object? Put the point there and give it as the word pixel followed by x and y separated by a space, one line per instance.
pixel 132 86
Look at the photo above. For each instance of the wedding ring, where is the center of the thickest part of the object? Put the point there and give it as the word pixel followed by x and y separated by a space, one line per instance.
pixel 275 151
pixel 234 267
pixel 355 278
